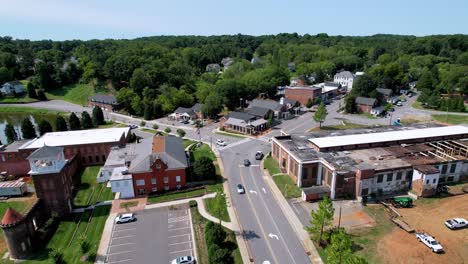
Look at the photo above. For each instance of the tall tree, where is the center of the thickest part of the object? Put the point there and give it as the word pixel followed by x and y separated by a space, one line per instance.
pixel 340 251
pixel 321 219
pixel 86 122
pixel 31 90
pixel 60 124
pixel 321 114
pixel 204 169
pixel 27 129
pixel 98 116
pixel 10 133
pixel 44 127
pixel 74 122
pixel 41 95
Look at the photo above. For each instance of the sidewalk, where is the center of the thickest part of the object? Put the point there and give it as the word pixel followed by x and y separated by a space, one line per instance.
pixel 293 220
pixel 105 240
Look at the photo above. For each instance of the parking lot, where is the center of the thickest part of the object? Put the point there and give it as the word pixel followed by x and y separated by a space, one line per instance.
pixel 157 236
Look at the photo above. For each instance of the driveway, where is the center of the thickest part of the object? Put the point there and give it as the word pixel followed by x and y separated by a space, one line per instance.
pixel 158 236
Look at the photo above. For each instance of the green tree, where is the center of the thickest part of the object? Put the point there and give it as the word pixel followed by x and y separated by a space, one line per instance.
pixel 148 112
pixel 204 169
pixel 44 127
pixel 167 130
pixel 41 95
pixel 321 219
pixel 350 103
pixel 31 90
pixel 27 129
pixel 339 251
pixel 74 122
pixel 86 121
pixel 426 81
pixel 309 103
pixel 213 105
pixel 98 116
pixel 139 80
pixel 10 133
pixel 181 132
pixel 363 85
pixel 60 124
pixel 321 114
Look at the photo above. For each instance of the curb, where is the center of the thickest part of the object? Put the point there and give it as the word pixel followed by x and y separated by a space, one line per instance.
pixel 105 240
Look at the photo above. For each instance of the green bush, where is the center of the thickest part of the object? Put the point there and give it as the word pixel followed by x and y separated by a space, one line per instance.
pixel 193 203
pixel 155 127
pixel 167 130
pixel 142 123
pixel 180 132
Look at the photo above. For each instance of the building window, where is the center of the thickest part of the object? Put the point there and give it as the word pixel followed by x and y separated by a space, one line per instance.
pixel 389 177
pixel 177 178
pixel 103 157
pixel 153 181
pixel 434 180
pixel 154 189
pixel 409 175
pixel 444 169
pixel 97 158
pixel 158 166
pixel 450 179
pixel 141 191
pixel 453 167
pixel 379 178
pixel 90 158
pixel 441 179
pixel 166 188
pixel 166 179
pixel 427 181
pixel 140 182
pixel 398 175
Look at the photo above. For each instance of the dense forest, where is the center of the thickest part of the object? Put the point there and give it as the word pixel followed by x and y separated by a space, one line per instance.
pixel 152 76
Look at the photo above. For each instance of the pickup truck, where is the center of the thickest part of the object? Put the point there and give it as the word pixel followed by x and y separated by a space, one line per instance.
pixel 456 223
pixel 430 242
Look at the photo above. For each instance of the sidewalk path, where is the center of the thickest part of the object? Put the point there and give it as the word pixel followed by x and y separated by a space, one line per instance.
pixel 105 239
pixel 293 219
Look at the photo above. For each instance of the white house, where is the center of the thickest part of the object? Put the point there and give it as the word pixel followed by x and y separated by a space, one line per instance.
pixel 345 78
pixel 12 87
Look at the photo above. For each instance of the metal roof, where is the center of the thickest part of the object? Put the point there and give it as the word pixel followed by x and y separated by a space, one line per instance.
pixel 365 100
pixel 336 141
pixel 46 152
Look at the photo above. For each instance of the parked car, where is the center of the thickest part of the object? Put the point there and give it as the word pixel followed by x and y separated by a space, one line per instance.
pixel 246 162
pixel 133 126
pixel 125 218
pixel 183 260
pixel 456 223
pixel 430 242
pixel 399 103
pixel 184 121
pixel 220 142
pixel 240 189
pixel 259 155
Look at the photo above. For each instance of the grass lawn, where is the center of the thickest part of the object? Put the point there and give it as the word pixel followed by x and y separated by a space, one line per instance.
pixel 89 191
pixel 19 99
pixel 199 229
pixel 110 124
pixel 417 105
pixel 68 242
pixel 368 115
pixel 217 206
pixel 75 93
pixel 287 186
pixel 367 238
pixel 271 165
pixel 128 204
pixel 188 142
pixel 203 151
pixel 346 125
pixel 231 134
pixel 170 196
pixel 451 119
pixel 26 110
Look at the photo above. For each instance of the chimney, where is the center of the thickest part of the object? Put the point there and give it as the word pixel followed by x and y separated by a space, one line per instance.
pixel 158 143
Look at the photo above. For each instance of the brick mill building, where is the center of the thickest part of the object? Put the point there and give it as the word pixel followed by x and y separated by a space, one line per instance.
pixel 374 162
pixel 105 101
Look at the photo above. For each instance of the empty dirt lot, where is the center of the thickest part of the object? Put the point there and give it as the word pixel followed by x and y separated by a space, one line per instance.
pixel 428 215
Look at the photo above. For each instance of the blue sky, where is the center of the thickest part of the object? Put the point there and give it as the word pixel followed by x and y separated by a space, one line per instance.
pixel 88 19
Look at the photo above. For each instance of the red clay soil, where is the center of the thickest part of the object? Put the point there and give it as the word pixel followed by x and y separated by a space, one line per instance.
pixel 402 247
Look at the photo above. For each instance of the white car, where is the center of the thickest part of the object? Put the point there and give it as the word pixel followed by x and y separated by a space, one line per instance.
pixel 240 189
pixel 456 223
pixel 220 143
pixel 183 260
pixel 430 242
pixel 125 218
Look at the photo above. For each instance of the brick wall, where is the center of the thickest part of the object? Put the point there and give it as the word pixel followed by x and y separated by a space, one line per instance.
pixel 302 95
pixel 106 107
pixel 364 108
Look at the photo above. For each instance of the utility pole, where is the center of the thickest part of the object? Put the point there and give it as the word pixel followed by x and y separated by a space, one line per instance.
pixel 339 220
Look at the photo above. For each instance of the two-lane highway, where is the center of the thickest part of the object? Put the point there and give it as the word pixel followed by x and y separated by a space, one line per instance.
pixel 266 229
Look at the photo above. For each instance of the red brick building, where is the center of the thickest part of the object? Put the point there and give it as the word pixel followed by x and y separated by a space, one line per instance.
pixel 163 169
pixel 106 102
pixel 303 93
pixel 365 104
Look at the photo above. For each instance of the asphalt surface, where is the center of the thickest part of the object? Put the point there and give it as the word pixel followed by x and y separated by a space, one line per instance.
pixel 158 236
pixel 266 229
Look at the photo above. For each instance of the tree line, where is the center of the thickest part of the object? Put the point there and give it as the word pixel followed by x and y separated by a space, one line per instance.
pixel 152 76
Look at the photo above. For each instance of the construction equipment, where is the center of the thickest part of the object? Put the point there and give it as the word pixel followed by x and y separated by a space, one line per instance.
pixel 405 202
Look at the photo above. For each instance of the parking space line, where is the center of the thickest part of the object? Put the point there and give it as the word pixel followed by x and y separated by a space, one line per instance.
pixel 121 244
pixel 122 252
pixel 178 235
pixel 125 229
pixel 119 261
pixel 178 228
pixel 185 250
pixel 190 241
pixel 123 237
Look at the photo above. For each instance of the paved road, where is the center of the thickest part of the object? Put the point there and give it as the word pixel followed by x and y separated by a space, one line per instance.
pixel 268 233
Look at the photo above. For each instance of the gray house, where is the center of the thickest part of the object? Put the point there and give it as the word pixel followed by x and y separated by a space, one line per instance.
pixel 12 87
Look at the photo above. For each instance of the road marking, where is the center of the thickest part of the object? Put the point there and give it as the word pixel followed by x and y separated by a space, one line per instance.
pixel 185 250
pixel 110 254
pixel 254 192
pixel 121 244
pixel 123 237
pixel 255 165
pixel 178 228
pixel 179 236
pixel 180 243
pixel 119 261
pixel 264 191
pixel 125 229
pixel 178 219
pixel 273 236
